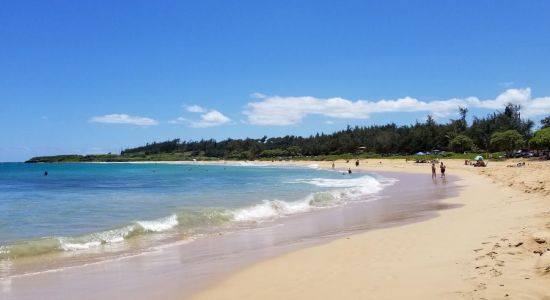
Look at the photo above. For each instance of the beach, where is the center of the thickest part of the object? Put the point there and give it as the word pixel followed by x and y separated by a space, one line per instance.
pixel 266 150
pixel 479 233
pixel 493 246
pixel 171 265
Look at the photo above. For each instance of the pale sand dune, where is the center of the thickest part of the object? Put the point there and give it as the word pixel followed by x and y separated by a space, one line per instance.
pixel 489 248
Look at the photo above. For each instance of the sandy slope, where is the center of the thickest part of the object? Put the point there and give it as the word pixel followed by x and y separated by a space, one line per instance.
pixel 495 246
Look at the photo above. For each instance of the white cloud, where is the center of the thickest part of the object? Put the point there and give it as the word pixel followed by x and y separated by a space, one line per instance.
pixel 537 107
pixel 195 109
pixel 209 119
pixel 178 120
pixel 124 119
pixel 275 110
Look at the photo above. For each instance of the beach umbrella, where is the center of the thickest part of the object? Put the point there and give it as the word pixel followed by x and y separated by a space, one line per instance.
pixel 479 157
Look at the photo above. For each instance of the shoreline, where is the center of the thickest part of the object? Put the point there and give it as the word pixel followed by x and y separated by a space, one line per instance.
pixel 259 244
pixel 465 252
pixel 55 258
pixel 493 246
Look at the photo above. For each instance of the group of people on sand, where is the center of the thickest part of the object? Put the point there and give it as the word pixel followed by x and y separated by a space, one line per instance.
pixel 477 163
pixel 442 167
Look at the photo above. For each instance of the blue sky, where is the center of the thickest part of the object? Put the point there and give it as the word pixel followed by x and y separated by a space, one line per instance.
pixel 98 76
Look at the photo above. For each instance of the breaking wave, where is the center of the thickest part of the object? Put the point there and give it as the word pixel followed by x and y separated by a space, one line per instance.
pixel 334 192
pixel 89 241
pixel 344 190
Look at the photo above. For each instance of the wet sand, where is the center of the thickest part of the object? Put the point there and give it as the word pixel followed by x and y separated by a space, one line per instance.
pixel 181 270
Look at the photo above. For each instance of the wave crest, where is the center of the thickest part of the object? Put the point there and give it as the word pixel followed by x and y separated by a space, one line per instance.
pixel 159 225
pixel 342 190
pixel 337 192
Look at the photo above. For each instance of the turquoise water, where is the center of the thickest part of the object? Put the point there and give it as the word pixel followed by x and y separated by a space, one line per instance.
pixel 90 206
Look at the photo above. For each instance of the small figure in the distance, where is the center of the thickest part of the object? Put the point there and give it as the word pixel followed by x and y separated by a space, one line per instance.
pixel 349 170
pixel 45 173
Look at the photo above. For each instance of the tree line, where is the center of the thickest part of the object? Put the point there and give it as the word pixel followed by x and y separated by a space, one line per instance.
pixel 502 130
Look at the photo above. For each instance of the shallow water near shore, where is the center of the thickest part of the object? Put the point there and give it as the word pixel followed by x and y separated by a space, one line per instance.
pixel 187 262
pixel 89 212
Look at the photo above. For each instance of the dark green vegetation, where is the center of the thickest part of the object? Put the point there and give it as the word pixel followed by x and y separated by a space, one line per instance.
pixel 500 131
pixel 508 140
pixel 541 140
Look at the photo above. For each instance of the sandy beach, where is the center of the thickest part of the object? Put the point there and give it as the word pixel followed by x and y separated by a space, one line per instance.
pixel 177 269
pixel 483 233
pixel 274 150
pixel 495 245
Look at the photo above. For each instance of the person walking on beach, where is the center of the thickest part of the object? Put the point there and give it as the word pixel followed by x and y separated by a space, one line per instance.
pixel 433 170
pixel 442 167
pixel 349 170
pixel 333 165
pixel 357 163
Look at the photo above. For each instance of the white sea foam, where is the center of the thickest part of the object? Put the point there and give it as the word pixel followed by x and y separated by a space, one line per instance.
pixel 267 209
pixel 343 190
pixel 116 235
pixel 270 209
pixel 252 164
pixel 159 224
pixel 334 192
pixel 95 239
pixel 344 183
pixel 68 246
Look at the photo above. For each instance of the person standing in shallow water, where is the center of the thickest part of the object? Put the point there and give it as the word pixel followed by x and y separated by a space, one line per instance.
pixel 442 167
pixel 433 170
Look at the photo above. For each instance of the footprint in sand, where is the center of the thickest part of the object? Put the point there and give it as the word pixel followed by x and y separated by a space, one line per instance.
pixel 495 273
pixel 481 267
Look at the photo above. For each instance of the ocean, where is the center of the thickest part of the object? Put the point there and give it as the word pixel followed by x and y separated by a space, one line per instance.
pixel 104 209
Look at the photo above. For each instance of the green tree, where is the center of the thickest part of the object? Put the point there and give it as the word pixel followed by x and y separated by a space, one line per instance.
pixel 294 151
pixel 461 143
pixel 541 140
pixel 272 153
pixel 508 140
pixel 545 122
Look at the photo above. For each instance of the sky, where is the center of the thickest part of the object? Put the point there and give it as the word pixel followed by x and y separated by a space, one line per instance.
pixel 99 76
